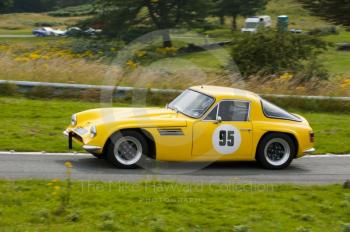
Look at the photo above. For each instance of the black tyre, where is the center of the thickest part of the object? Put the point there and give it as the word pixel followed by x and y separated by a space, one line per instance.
pixel 276 151
pixel 127 149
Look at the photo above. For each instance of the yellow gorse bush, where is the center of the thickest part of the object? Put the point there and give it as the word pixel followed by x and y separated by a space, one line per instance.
pixel 167 50
pixel 345 84
pixel 140 54
pixel 286 77
pixel 131 64
pixel 44 51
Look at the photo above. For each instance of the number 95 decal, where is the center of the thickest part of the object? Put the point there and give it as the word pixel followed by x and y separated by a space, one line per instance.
pixel 226 139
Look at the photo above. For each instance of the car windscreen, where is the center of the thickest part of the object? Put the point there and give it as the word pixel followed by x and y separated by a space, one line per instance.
pixel 272 111
pixel 192 103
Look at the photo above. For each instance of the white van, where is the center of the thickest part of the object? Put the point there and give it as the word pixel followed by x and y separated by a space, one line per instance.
pixel 253 23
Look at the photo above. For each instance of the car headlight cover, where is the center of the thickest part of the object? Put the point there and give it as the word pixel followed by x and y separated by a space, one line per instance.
pixel 93 131
pixel 74 120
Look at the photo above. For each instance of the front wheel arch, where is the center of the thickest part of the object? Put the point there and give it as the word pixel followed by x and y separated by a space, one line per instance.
pixel 279 132
pixel 148 136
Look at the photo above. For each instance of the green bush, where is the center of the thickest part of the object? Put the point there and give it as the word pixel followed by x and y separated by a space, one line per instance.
pixel 41 92
pixel 312 105
pixel 81 10
pixel 346 227
pixel 8 89
pixel 331 30
pixel 102 47
pixel 269 52
pixel 46 24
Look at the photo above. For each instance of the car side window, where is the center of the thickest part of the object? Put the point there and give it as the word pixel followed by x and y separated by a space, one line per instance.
pixel 212 115
pixel 237 111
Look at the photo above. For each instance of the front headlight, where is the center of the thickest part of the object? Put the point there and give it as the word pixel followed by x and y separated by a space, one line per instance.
pixel 74 120
pixel 93 131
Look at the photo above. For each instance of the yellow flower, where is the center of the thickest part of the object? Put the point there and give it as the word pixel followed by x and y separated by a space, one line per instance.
pixel 56 187
pixel 346 83
pixel 140 53
pixel 68 164
pixel 34 56
pixel 171 50
pixel 161 50
pixel 286 77
pixel 131 64
pixel 49 184
pixel 300 89
pixel 167 50
pixel 23 59
pixel 55 180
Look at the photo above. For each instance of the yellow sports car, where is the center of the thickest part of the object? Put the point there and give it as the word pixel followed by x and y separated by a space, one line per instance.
pixel 204 123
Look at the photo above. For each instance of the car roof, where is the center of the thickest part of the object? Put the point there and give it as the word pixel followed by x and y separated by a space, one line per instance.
pixel 226 93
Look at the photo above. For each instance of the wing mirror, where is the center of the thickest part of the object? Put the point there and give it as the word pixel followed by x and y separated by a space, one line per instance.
pixel 218 120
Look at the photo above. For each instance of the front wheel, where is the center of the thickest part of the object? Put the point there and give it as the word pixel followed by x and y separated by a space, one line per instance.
pixel 127 149
pixel 276 151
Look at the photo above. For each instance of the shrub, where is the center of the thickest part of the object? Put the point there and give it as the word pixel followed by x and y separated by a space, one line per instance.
pixel 41 92
pixel 46 24
pixel 94 46
pixel 240 228
pixel 312 105
pixel 346 227
pixel 81 10
pixel 331 30
pixel 8 89
pixel 107 216
pixel 108 225
pixel 91 95
pixel 302 229
pixel 73 217
pixel 306 217
pixel 269 52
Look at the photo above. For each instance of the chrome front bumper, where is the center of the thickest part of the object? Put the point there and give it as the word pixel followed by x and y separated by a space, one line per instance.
pixel 66 133
pixel 92 149
pixel 309 151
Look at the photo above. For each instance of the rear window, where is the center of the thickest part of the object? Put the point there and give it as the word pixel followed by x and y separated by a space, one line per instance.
pixel 272 111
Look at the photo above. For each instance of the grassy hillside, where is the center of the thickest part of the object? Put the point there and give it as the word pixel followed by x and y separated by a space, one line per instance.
pixel 23 23
pixel 19 64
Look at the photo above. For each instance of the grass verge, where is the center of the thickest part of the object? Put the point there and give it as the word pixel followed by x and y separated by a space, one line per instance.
pixel 37 125
pixel 165 206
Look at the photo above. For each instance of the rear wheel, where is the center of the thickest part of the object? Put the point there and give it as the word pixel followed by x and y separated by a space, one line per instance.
pixel 276 151
pixel 127 149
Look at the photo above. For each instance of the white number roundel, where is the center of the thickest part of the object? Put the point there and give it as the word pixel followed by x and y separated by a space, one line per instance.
pixel 226 139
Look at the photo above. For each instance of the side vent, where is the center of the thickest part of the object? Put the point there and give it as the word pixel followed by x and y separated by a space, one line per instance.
pixel 170 132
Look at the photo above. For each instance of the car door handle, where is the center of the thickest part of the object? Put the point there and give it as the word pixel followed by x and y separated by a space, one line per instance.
pixel 248 130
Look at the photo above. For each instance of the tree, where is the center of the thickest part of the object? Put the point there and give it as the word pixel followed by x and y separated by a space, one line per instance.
pixel 4 5
pixel 336 11
pixel 161 14
pixel 235 8
pixel 268 52
pixel 37 5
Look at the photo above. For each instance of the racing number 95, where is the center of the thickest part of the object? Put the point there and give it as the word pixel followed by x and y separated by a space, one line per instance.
pixel 226 138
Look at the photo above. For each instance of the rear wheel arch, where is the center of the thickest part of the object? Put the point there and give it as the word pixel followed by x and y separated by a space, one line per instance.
pixel 291 136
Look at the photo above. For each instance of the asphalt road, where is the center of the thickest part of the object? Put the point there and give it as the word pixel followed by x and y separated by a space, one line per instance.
pixel 308 170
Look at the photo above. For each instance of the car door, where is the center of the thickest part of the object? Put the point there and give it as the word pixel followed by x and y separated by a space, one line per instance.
pixel 225 133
